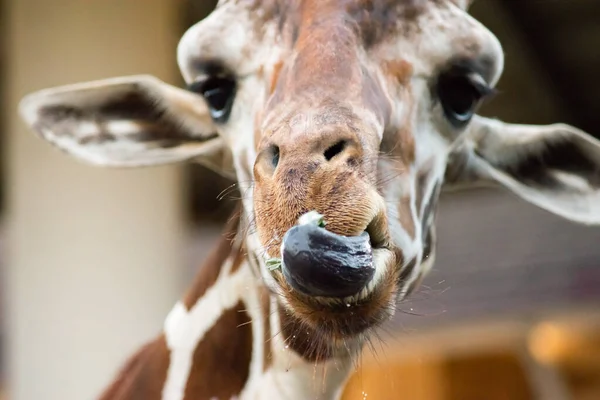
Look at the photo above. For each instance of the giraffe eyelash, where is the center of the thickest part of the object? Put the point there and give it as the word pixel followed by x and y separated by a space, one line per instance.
pixel 479 84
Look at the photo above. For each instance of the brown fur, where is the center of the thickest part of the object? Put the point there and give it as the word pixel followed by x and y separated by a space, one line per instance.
pixel 265 304
pixel 407 270
pixel 406 218
pixel 209 272
pixel 400 70
pixel 331 328
pixel 275 76
pixel 304 339
pixel 222 360
pixel 372 20
pixel 377 19
pixel 346 213
pixel 423 177
pixel 325 54
pixel 142 377
pixel 400 142
pixel 223 354
pixel 373 97
pixel 405 147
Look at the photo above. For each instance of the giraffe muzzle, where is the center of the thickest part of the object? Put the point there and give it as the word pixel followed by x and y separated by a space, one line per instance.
pixel 317 262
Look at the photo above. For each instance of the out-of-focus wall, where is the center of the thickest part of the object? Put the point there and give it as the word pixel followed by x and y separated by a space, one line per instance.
pixel 94 257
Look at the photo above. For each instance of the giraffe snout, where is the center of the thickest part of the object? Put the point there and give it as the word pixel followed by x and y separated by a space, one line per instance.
pixel 279 160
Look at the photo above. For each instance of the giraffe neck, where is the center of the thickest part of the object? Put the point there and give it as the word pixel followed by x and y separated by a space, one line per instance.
pixel 228 338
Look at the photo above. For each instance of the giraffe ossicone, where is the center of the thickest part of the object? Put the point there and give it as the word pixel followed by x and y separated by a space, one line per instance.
pixel 359 110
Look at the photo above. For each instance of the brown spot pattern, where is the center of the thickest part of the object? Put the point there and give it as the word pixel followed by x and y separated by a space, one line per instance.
pixel 407 271
pixel 275 76
pixel 428 239
pixel 222 360
pixel 143 375
pixel 400 70
pixel 209 272
pixel 406 217
pixel 378 19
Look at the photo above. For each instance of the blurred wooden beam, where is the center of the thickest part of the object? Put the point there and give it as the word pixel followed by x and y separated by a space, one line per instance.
pixel 545 381
pixel 416 380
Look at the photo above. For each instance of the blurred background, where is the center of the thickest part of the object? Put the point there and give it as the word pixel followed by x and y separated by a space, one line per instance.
pixel 92 260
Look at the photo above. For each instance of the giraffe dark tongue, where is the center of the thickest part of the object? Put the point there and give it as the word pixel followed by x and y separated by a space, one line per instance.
pixel 317 262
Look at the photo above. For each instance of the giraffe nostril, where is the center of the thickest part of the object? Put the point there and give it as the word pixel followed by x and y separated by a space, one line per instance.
pixel 274 155
pixel 334 150
pixel 266 162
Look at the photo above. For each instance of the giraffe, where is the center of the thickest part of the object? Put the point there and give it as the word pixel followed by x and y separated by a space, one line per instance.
pixel 352 114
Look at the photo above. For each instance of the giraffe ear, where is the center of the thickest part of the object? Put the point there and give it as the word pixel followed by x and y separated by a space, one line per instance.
pixel 126 122
pixel 555 167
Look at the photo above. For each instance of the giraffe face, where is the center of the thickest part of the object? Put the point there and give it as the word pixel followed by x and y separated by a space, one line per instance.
pixel 346 108
pixel 358 110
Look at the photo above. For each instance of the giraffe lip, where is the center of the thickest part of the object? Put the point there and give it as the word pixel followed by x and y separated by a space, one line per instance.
pixel 377 237
pixel 317 262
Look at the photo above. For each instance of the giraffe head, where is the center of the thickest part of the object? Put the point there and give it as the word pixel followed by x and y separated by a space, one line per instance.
pixel 359 110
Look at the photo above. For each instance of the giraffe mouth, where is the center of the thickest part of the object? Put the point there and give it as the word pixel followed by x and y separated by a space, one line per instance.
pixel 317 262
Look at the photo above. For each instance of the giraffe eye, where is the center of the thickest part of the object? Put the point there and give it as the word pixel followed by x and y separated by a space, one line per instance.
pixel 460 92
pixel 219 93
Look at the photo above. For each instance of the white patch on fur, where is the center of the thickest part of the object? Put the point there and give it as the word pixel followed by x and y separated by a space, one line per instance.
pixel 86 129
pixel 255 312
pixel 572 180
pixel 185 329
pixel 123 127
